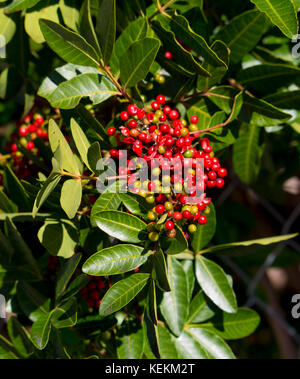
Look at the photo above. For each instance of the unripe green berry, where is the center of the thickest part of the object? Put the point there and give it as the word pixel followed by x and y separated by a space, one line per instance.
pixel 184 132
pixel 161 149
pixel 188 154
pixel 168 206
pixel 153 236
pixel 194 209
pixel 150 199
pixel 192 228
pixel 151 216
pixel 193 128
pixel 207 211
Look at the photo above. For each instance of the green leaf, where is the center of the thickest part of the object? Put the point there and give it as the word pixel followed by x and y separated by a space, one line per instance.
pixel 65 274
pixel 7 351
pixel 200 310
pixel 188 267
pixel 200 108
pixel 268 78
pixel 70 13
pixel 161 272
pixel 181 28
pixel 261 241
pixel 69 45
pixel 130 344
pixel 189 348
pixel 6 205
pixel 284 100
pixel 32 302
pixel 125 227
pixel 58 141
pixel 19 5
pixel 81 141
pixel 40 331
pixel 65 315
pixel 43 194
pixel 68 94
pixel 35 14
pixel 182 57
pixel 19 337
pixel 62 74
pixel 136 204
pixel 174 305
pixel 71 194
pixel 243 33
pixel 20 246
pixel 135 63
pixel 254 111
pixel 217 73
pixel 76 285
pixel 233 326
pixel 86 27
pixel 116 260
pixel 93 156
pixel 135 31
pixel 213 345
pixel 167 349
pixel 177 245
pixel 214 282
pixel 59 238
pixel 122 292
pixel 281 13
pixel 247 154
pixel 108 200
pixel 7 27
pixel 15 189
pixel 106 28
pixel 204 233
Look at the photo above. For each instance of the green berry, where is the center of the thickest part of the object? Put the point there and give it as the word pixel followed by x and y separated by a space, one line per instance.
pixel 151 216
pixel 192 228
pixel 188 154
pixel 184 132
pixel 153 236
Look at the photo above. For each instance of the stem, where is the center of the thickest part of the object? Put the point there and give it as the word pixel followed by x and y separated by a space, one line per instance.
pixel 161 9
pixel 122 90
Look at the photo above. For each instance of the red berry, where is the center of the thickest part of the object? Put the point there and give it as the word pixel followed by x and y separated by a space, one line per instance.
pixel 160 99
pixel 114 153
pixel 212 175
pixel 132 124
pixel 183 199
pixel 186 214
pixel 23 131
pixel 111 132
pixel 174 114
pixel 220 183
pixel 167 110
pixel 194 120
pixel 132 109
pixel 177 216
pixel 39 120
pixel 124 116
pixel 140 114
pixel 32 128
pixel 202 220
pixel 168 55
pixel 155 105
pixel 222 172
pixel 169 225
pixel 30 145
pixel 160 209
pixel 164 128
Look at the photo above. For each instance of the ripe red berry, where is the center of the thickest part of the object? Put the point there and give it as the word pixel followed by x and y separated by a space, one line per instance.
pixel 186 214
pixel 167 110
pixel 155 105
pixel 132 109
pixel 114 153
pixel 14 147
pixel 132 124
pixel 160 99
pixel 177 216
pixel 183 199
pixel 174 114
pixel 39 120
pixel 212 175
pixel 160 209
pixel 164 128
pixel 194 120
pixel 220 183
pixel 111 132
pixel 202 220
pixel 140 114
pixel 168 55
pixel 222 172
pixel 169 225
pixel 30 145
pixel 23 131
pixel 124 116
pixel 31 128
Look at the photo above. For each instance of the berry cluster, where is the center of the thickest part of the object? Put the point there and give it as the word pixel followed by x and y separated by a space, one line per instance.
pixel 160 136
pixel 27 130
pixel 94 291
